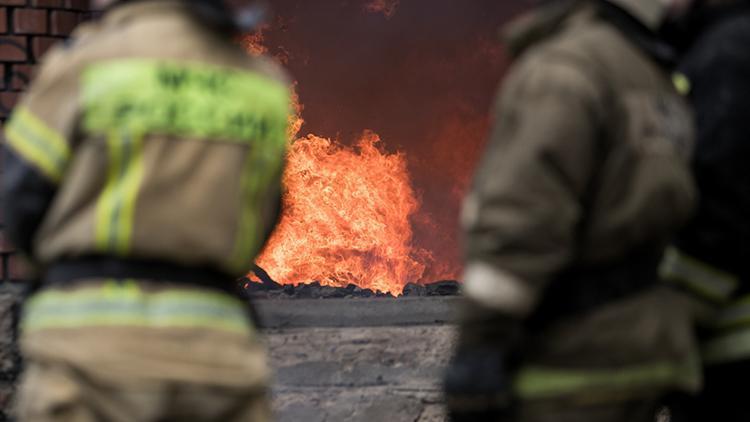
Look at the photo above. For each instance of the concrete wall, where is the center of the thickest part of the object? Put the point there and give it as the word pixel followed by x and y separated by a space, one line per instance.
pixel 358 374
pixel 359 359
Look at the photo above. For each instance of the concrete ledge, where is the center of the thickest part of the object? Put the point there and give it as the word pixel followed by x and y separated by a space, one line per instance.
pixel 381 312
pixel 357 374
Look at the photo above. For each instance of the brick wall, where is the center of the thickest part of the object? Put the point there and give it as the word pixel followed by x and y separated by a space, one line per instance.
pixel 28 28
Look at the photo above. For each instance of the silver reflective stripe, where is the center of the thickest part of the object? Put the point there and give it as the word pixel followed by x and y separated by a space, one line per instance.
pixel 498 289
pixel 727 348
pixel 124 303
pixel 542 382
pixel 701 278
pixel 737 314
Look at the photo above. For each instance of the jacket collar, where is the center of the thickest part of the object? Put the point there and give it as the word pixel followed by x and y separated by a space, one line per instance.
pixel 639 33
pixel 123 12
pixel 538 24
pixel 548 20
pixel 650 13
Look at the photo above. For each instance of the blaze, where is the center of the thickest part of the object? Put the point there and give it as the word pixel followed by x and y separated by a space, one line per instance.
pixel 346 217
pixel 379 211
pixel 347 212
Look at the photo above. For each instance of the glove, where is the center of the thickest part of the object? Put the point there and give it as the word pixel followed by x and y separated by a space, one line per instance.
pixel 478 382
pixel 478 386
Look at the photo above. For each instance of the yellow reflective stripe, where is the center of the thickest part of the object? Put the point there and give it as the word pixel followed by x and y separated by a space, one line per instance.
pixel 247 233
pixel 257 178
pixel 682 83
pixel 125 304
pixel 185 99
pixel 701 278
pixel 539 383
pixel 37 143
pixel 735 315
pixel 727 348
pixel 115 211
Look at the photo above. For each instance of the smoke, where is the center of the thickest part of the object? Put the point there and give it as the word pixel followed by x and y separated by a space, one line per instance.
pixel 386 7
pixel 424 79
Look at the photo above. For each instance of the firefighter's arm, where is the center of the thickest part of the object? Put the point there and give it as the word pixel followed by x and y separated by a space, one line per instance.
pixel 36 150
pixel 27 195
pixel 520 220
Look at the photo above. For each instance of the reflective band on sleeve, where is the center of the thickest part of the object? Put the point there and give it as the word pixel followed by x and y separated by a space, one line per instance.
pixel 703 279
pixel 735 315
pixel 185 99
pixel 116 205
pixel 36 142
pixel 727 348
pixel 125 304
pixel 497 289
pixel 256 180
pixel 539 383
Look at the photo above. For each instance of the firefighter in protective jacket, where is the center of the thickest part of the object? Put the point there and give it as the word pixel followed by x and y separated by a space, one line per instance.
pixel 142 176
pixel 584 181
pixel 709 259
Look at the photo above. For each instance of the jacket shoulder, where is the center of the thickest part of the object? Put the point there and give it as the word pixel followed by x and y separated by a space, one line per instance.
pixel 593 43
pixel 572 61
pixel 67 57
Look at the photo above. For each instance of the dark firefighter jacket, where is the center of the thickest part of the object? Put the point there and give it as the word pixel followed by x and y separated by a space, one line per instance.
pixel 710 258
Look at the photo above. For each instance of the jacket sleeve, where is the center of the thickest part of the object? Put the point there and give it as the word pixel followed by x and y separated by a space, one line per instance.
pixel 37 147
pixel 28 194
pixel 521 217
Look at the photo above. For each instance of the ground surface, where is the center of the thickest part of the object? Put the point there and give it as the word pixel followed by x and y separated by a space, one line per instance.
pixel 10 295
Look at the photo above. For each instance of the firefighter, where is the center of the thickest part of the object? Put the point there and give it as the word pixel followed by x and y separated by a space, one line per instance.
pixel 585 180
pixel 142 176
pixel 709 257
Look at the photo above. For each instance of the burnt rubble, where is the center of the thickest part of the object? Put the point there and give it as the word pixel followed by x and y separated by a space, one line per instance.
pixel 268 289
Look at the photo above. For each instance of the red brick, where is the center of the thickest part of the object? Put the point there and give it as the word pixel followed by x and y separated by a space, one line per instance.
pixel 48 3
pixel 5 245
pixel 13 49
pixel 20 76
pixel 3 20
pixel 78 4
pixel 63 22
pixel 2 77
pixel 12 2
pixel 30 21
pixel 8 100
pixel 19 268
pixel 40 45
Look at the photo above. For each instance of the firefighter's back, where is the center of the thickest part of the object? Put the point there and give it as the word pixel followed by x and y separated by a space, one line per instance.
pixel 163 142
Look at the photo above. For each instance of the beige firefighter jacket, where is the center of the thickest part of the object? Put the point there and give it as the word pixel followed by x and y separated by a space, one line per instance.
pixel 165 139
pixel 587 162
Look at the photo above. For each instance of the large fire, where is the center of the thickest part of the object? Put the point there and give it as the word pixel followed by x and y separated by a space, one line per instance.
pixel 347 212
pixel 346 217
pixel 354 210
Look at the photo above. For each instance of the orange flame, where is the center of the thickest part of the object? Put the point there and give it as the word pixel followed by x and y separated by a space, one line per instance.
pixel 346 217
pixel 347 212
